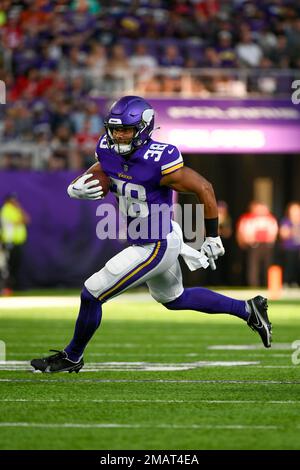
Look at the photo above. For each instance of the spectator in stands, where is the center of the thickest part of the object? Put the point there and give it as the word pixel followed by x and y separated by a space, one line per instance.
pixel 279 54
pixel 42 140
pixel 77 88
pixel 116 65
pixel 267 40
pixel 12 31
pixel 86 141
pixel 225 50
pixel 172 61
pixel 171 57
pixel 142 63
pixel 249 53
pixel 39 116
pixel 256 232
pixel 266 80
pixel 57 161
pixel 45 60
pixel 73 63
pixel 95 122
pixel 293 34
pixel 96 61
pixel 8 131
pixel 211 58
pixel 210 8
pixel 61 114
pixel 289 234
pixel 22 119
pixel 63 140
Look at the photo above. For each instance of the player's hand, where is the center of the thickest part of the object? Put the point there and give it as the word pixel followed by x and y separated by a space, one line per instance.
pixel 82 189
pixel 213 248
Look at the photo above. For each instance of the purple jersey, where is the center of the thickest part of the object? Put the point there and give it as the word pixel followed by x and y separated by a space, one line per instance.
pixel 135 180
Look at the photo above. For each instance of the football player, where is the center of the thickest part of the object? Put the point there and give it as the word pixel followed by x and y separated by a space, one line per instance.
pixel 143 173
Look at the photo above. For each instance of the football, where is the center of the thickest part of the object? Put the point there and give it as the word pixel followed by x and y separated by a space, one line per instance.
pixel 102 177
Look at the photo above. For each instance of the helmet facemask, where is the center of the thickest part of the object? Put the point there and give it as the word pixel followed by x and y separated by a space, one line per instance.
pixel 122 148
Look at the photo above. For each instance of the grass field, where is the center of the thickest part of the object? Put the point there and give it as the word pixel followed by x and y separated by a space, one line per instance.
pixel 154 379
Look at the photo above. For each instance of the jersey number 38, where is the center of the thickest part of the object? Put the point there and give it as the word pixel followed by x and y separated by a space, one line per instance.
pixel 132 198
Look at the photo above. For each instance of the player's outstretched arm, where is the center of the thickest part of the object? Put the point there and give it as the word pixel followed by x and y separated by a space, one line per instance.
pixel 187 180
pixel 81 188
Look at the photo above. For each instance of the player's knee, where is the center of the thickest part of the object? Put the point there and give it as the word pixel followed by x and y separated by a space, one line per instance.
pixel 87 295
pixel 94 285
pixel 163 299
pixel 165 302
pixel 169 298
pixel 177 303
pixel 99 282
pixel 158 297
pixel 169 305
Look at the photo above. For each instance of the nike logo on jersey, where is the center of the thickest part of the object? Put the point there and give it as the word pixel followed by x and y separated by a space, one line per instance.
pixel 170 151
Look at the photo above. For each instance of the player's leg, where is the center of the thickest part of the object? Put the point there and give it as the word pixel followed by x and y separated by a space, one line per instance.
pixel 167 289
pixel 128 268
pixel 125 269
pixel 71 358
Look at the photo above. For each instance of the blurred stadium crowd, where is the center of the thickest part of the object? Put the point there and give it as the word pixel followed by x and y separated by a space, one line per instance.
pixel 56 56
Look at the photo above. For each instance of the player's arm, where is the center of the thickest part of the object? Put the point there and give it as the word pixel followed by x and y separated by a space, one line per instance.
pixel 187 180
pixel 80 188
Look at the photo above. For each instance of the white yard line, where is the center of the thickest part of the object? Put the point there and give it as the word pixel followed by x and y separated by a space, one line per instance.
pixel 275 367
pixel 249 347
pixel 81 381
pixel 183 402
pixel 136 366
pixel 135 426
pixel 24 366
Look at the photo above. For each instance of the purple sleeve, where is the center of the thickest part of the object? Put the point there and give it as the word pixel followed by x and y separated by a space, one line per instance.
pixel 101 144
pixel 171 160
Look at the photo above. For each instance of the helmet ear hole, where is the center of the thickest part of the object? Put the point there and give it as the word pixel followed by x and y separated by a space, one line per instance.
pixel 147 116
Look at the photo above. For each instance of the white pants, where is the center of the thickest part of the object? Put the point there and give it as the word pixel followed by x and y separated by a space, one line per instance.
pixel 155 263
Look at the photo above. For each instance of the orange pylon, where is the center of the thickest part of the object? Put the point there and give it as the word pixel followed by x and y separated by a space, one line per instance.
pixel 275 281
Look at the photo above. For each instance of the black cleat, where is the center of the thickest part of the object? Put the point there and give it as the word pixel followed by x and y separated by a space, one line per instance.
pixel 58 362
pixel 258 319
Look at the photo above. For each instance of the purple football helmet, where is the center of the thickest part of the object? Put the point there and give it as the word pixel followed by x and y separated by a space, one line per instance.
pixel 129 112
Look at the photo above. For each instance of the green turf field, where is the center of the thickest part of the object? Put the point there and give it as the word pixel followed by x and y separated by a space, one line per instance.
pixel 155 379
